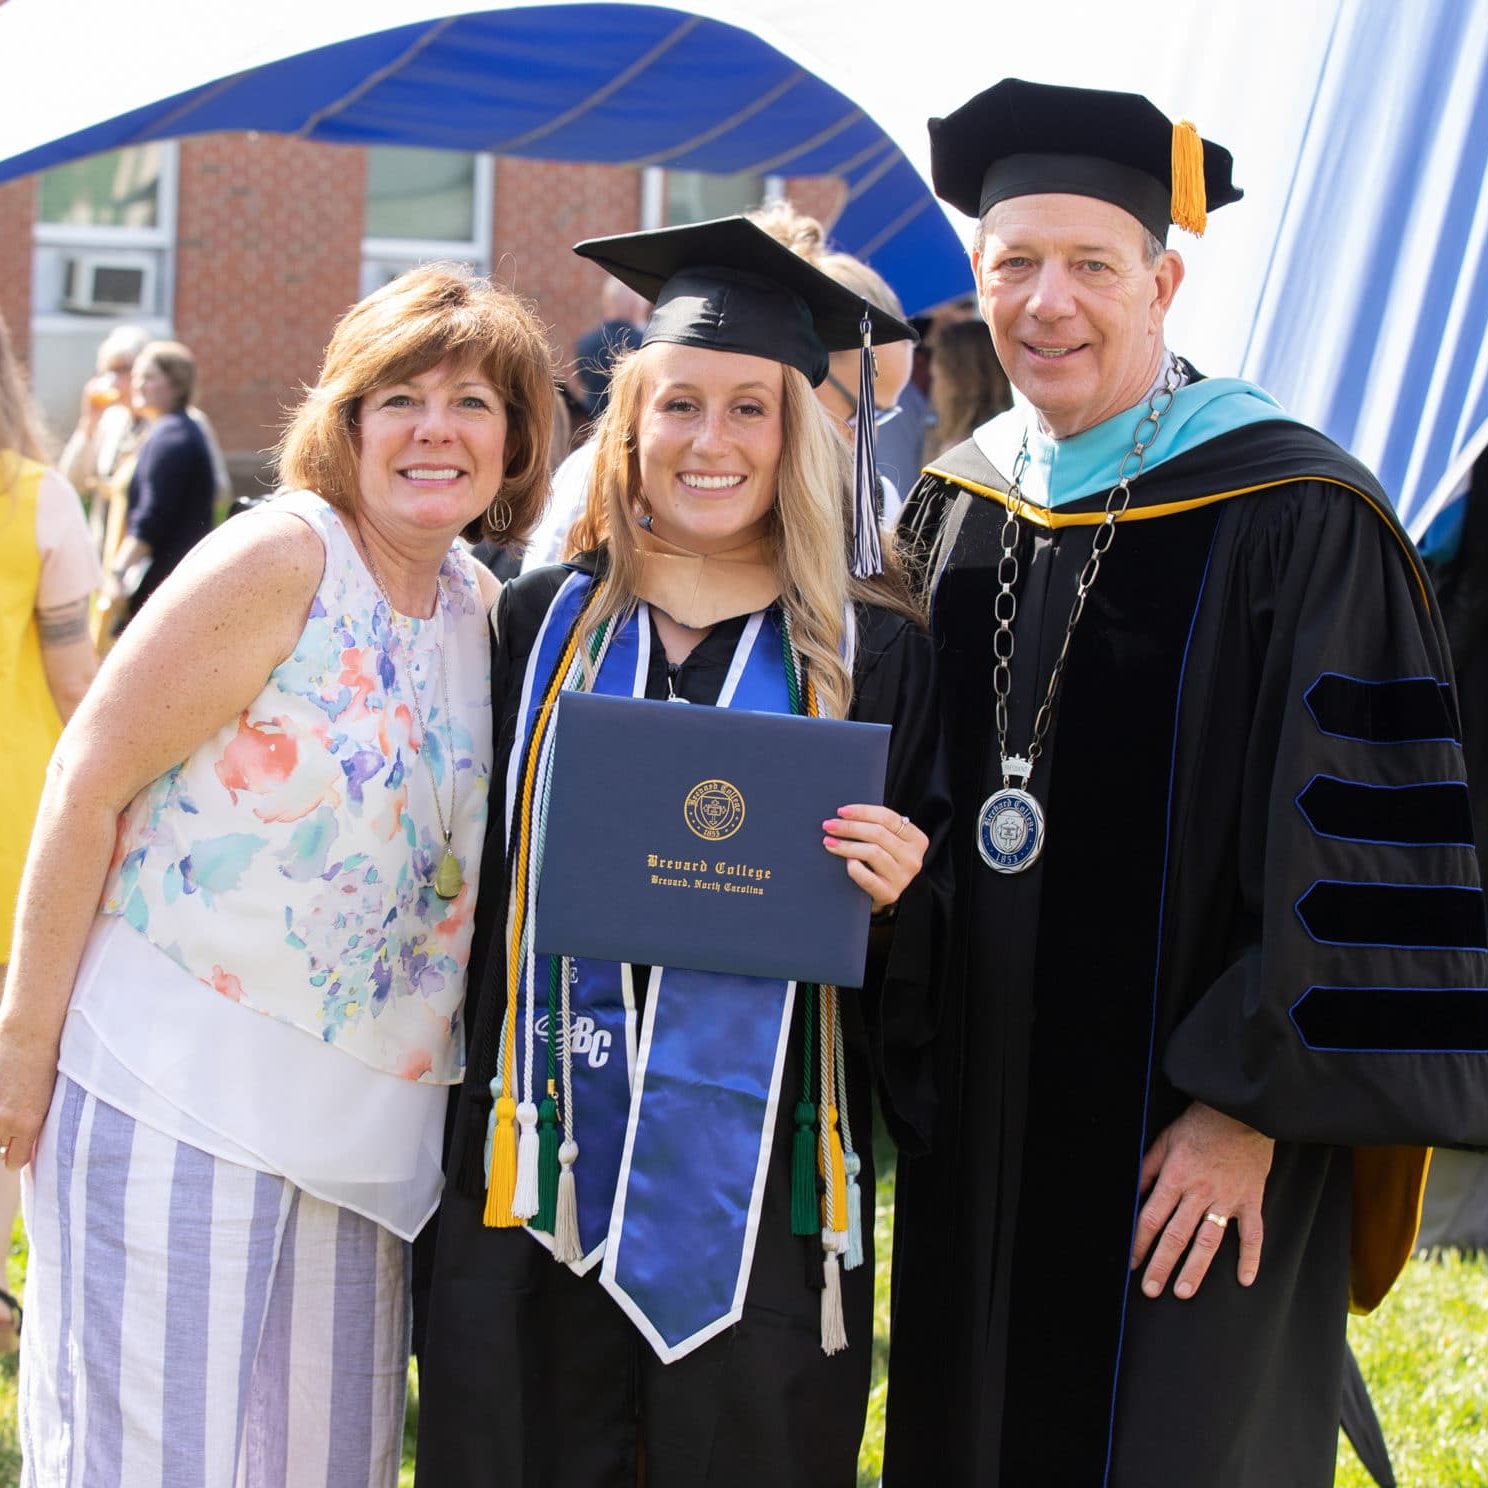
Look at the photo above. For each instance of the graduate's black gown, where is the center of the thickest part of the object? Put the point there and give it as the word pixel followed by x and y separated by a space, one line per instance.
pixel 1258 891
pixel 531 1377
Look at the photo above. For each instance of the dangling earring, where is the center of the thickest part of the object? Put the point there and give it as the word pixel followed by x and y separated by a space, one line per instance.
pixel 500 514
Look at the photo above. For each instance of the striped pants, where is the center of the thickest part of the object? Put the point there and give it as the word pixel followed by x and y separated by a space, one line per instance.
pixel 196 1324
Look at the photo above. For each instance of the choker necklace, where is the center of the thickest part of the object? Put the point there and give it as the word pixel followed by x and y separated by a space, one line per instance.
pixel 449 877
pixel 1010 825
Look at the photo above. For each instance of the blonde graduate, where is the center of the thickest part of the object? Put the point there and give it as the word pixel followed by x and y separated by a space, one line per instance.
pixel 810 524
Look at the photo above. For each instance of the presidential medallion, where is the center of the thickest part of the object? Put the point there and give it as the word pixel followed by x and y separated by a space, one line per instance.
pixel 1010 830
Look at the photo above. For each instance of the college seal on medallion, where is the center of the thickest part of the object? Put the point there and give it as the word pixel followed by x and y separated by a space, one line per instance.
pixel 1010 830
pixel 713 810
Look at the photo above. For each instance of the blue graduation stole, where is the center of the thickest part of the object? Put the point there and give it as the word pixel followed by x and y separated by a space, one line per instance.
pixel 674 1136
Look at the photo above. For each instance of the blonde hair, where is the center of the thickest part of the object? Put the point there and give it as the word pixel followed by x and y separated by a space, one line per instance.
pixel 803 235
pixel 811 523
pixel 21 430
pixel 420 319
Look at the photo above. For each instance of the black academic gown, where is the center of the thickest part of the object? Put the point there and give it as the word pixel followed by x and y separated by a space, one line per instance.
pixel 530 1376
pixel 1256 894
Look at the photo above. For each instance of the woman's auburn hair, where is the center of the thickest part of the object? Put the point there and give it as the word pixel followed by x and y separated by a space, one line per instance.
pixel 811 523
pixel 429 315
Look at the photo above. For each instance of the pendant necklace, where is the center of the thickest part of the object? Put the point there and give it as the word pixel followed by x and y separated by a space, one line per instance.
pixel 1010 825
pixel 449 877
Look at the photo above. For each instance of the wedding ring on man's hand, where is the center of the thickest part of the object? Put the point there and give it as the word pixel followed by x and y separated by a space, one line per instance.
pixel 4 1151
pixel 903 822
pixel 1217 1219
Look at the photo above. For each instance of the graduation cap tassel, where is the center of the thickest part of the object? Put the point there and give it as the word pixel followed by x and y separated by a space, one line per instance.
pixel 867 559
pixel 1190 205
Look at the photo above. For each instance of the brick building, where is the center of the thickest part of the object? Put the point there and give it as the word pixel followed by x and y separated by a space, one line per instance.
pixel 247 247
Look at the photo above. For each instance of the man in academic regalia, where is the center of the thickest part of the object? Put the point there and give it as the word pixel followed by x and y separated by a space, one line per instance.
pixel 1218 971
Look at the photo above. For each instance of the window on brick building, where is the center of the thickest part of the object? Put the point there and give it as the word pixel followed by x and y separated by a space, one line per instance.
pixel 670 198
pixel 698 196
pixel 423 205
pixel 120 189
pixel 103 254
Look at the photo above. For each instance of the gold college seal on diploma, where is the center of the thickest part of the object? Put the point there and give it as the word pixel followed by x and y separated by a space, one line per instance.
pixel 713 810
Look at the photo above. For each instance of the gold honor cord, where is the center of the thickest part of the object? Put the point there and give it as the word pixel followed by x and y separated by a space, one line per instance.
pixel 502 1183
pixel 1045 517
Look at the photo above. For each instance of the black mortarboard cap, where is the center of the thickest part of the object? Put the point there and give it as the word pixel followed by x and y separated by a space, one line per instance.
pixel 730 286
pixel 1026 139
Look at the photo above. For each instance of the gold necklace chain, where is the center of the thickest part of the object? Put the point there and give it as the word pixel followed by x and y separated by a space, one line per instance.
pixel 449 878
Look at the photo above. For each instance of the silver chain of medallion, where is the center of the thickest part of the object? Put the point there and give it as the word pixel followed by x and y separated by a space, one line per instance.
pixel 444 874
pixel 1013 814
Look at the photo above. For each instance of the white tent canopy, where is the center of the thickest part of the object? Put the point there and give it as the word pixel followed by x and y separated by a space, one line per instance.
pixel 1351 280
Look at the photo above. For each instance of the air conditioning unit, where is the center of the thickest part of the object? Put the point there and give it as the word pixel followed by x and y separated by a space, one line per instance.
pixel 109 283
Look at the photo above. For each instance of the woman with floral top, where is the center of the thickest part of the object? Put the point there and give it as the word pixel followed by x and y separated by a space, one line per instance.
pixel 233 1010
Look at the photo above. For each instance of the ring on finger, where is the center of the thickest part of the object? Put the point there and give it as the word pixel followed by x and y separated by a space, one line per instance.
pixel 4 1151
pixel 903 822
pixel 1217 1219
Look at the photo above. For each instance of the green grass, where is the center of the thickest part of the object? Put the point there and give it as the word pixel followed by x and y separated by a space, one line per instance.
pixel 1423 1353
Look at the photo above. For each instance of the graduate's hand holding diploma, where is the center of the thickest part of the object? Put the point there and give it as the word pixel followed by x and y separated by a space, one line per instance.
pixel 883 850
pixel 1203 1169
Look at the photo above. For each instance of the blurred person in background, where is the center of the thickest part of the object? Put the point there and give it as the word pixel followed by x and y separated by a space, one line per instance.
pixel 622 314
pixel 48 569
pixel 233 1012
pixel 108 428
pixel 898 439
pixel 967 384
pixel 171 487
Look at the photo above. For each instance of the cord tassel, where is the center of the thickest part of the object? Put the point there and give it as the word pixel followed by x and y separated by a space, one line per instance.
pixel 547 1166
pixel 503 1183
pixel 805 1197
pixel 525 1200
pixel 867 559
pixel 1190 204
pixel 833 1326
pixel 566 1246
pixel 853 1165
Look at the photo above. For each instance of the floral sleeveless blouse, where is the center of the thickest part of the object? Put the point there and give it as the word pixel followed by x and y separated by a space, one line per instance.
pixel 289 863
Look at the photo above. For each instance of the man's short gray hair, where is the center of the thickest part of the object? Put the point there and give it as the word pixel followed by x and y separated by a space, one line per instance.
pixel 1153 247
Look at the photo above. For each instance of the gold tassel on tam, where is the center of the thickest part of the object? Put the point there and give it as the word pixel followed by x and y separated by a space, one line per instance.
pixel 1190 205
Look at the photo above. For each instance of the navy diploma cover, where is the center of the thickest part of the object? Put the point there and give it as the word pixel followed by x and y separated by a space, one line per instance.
pixel 688 836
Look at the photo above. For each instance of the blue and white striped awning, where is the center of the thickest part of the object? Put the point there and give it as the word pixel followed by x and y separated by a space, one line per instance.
pixel 623 84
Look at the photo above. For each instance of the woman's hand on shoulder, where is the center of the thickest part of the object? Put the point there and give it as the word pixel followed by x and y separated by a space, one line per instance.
pixel 882 848
pixel 197 653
